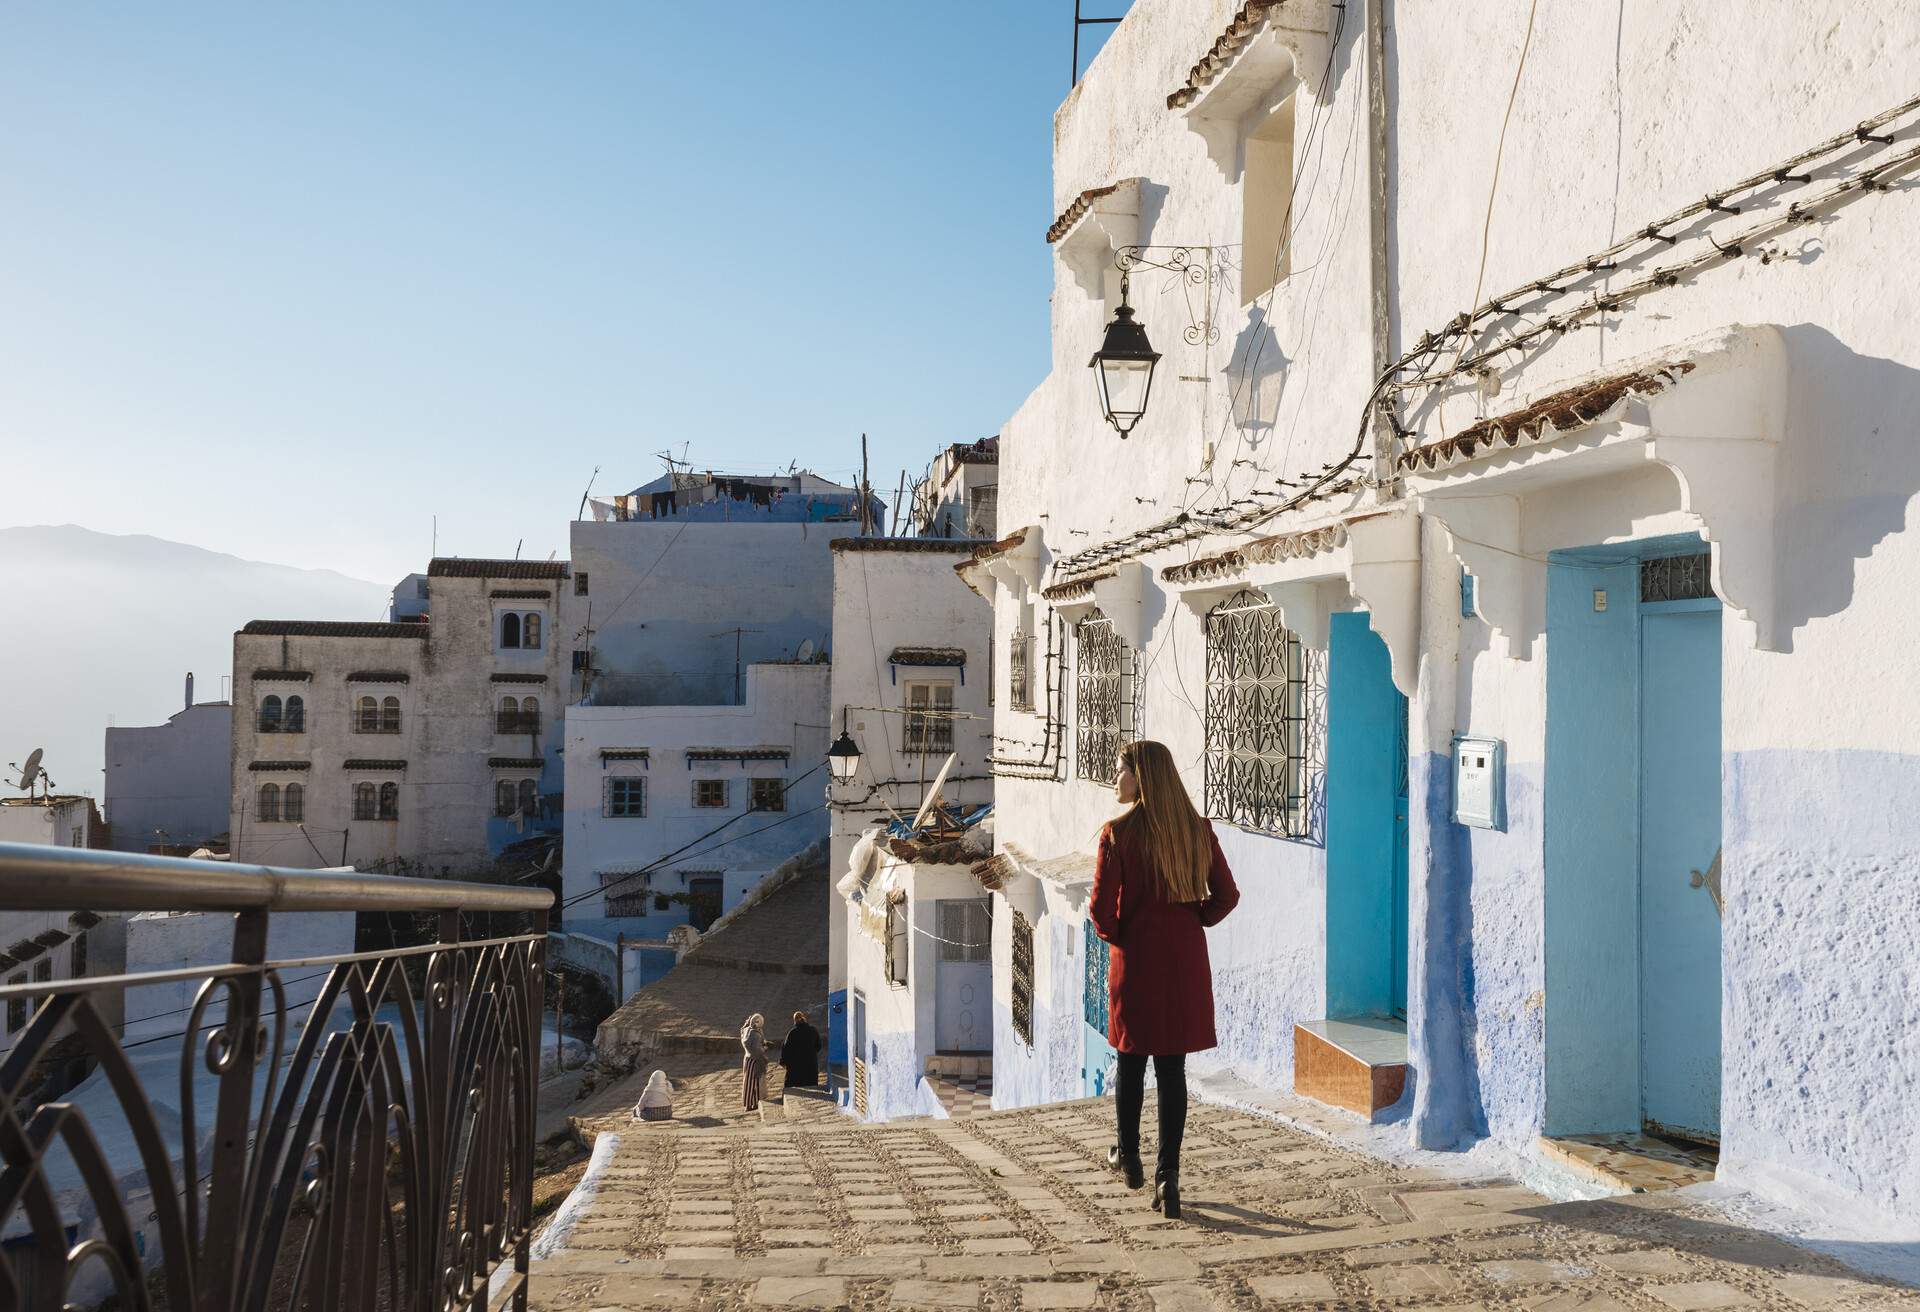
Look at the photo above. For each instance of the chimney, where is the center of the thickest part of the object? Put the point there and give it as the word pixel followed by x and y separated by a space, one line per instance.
pixel 189 689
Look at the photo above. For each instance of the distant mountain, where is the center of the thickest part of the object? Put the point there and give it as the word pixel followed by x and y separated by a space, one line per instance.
pixel 102 624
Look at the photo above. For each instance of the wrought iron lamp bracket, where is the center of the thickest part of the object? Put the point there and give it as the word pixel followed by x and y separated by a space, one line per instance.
pixel 1194 269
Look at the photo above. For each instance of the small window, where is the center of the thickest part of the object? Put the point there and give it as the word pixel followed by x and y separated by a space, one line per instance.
pixel 1103 697
pixel 16 1009
pixel 43 970
pixel 966 929
pixel 367 715
pixel 269 807
pixel 77 959
pixel 710 792
pixel 270 715
pixel 389 801
pixel 1266 196
pixel 897 931
pixel 1019 676
pixel 769 795
pixel 579 585
pixel 296 719
pixel 530 706
pixel 293 804
pixel 366 802
pixel 530 630
pixel 529 795
pixel 505 797
pixel 929 718
pixel 390 715
pixel 661 902
pixel 626 798
pixel 510 630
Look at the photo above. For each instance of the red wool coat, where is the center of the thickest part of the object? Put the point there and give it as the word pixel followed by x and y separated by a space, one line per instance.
pixel 1159 981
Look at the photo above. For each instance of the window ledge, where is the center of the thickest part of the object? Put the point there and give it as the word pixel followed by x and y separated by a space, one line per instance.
pixel 1259 58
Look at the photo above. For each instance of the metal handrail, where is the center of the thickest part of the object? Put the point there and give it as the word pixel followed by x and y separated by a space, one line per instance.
pixel 41 878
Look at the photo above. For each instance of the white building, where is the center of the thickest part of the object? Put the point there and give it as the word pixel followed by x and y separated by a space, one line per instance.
pixel 429 745
pixel 43 946
pixel 959 496
pixel 912 684
pixel 169 787
pixel 676 813
pixel 1623 547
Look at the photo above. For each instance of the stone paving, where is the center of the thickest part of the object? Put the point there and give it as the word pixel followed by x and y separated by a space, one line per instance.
pixel 1017 1210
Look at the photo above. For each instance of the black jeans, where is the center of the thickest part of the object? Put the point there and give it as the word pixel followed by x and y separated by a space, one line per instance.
pixel 1130 1095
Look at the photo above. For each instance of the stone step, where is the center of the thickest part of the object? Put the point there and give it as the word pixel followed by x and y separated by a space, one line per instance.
pixel 1359 1064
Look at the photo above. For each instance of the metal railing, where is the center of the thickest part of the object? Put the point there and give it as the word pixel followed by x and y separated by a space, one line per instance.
pixel 369 1146
pixel 516 722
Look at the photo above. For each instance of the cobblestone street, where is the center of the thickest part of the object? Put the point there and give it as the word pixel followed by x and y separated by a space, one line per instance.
pixel 1017 1210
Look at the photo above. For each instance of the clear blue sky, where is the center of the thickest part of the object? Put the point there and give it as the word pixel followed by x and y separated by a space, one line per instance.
pixel 288 280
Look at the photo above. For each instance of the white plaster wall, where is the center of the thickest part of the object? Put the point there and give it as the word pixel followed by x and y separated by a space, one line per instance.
pixel 901 1032
pixel 64 822
pixel 181 940
pixel 785 708
pixel 666 595
pixel 883 599
pixel 172 782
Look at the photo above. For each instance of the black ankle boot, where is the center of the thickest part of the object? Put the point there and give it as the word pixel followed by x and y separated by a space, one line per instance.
pixel 1166 1193
pixel 1128 1164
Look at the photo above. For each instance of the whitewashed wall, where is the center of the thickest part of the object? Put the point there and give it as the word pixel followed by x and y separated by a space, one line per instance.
pixel 172 782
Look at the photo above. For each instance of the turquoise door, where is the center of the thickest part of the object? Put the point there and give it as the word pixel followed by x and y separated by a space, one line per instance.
pixel 1096 1054
pixel 1398 909
pixel 1679 840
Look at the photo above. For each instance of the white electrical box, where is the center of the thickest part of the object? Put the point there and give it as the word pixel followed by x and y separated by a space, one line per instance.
pixel 1480 782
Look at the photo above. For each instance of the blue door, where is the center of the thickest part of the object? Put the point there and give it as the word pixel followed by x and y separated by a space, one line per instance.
pixel 1680 870
pixel 1398 909
pixel 1096 1054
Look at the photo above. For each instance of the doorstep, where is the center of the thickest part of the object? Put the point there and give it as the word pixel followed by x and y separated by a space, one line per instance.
pixel 1638 1163
pixel 1359 1063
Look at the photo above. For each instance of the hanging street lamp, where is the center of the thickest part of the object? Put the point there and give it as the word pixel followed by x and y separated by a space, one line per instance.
pixel 1124 365
pixel 843 758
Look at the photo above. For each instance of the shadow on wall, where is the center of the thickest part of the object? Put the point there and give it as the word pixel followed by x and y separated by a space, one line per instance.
pixel 1847 471
pixel 1449 1111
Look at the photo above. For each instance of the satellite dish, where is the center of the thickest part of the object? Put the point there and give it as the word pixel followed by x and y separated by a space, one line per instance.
pixel 30 771
pixel 806 650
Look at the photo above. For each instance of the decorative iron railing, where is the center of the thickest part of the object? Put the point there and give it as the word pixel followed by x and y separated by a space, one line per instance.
pixel 368 1146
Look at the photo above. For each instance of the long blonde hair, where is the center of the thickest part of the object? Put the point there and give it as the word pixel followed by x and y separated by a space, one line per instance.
pixel 1178 840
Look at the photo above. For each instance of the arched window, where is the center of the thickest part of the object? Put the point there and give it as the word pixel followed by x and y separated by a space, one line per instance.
pixel 269 807
pixel 390 715
pixel 530 709
pixel 296 718
pixel 509 706
pixel 389 801
pixel 510 630
pixel 293 804
pixel 270 715
pixel 368 719
pixel 529 798
pixel 530 631
pixel 365 802
pixel 503 797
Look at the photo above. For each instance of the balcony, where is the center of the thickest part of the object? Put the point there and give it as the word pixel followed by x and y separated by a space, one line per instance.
pixel 370 1146
pixel 516 722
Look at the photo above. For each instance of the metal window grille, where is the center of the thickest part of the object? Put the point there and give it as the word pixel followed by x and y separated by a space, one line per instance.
pixel 768 795
pixel 293 804
pixel 517 722
pixel 1677 578
pixel 374 716
pixel 269 804
pixel 1020 671
pixel 928 724
pixel 624 798
pixel 627 904
pixel 16 1007
pixel 1093 1003
pixel 1103 707
pixel 269 721
pixel 966 930
pixel 389 801
pixel 897 942
pixel 1023 979
pixel 1266 703
pixel 296 721
pixel 366 802
pixel 710 792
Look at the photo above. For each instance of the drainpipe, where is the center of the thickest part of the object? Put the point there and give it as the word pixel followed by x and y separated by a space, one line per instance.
pixel 1380 304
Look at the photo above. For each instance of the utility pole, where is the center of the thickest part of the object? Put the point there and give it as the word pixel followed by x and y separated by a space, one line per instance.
pixel 866 491
pixel 739 690
pixel 895 530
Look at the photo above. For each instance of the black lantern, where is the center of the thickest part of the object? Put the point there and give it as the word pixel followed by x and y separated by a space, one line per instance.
pixel 1125 363
pixel 843 758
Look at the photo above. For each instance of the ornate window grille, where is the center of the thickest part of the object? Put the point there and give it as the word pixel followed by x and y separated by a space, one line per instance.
pixel 1266 705
pixel 929 719
pixel 1020 671
pixel 1093 1003
pixel 1103 697
pixel 1022 979
pixel 966 929
pixel 1677 578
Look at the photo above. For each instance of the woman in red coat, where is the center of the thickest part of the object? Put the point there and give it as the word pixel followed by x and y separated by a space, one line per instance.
pixel 1160 880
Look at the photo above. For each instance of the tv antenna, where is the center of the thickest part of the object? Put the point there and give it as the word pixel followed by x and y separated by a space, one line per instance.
pixel 1078 23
